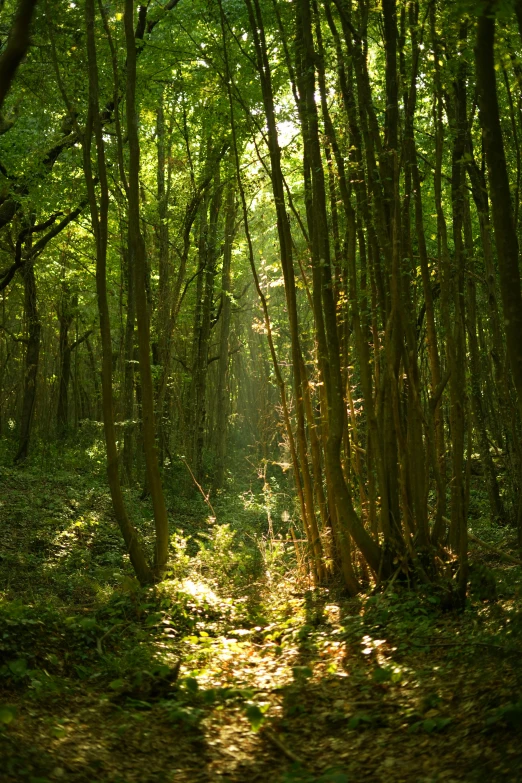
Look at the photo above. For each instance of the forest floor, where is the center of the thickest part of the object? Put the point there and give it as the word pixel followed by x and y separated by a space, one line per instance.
pixel 277 682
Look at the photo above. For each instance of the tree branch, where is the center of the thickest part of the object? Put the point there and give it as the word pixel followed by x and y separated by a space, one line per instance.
pixel 7 275
pixel 17 46
pixel 80 340
pixel 13 336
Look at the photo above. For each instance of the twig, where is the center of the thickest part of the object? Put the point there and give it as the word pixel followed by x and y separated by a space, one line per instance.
pixel 389 583
pixel 277 742
pixel 206 497
pixel 394 577
pixel 99 641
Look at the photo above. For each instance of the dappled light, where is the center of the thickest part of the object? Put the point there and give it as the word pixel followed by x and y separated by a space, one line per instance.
pixel 252 675
pixel 260 391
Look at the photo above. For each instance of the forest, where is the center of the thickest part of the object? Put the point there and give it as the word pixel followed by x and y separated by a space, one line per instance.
pixel 260 391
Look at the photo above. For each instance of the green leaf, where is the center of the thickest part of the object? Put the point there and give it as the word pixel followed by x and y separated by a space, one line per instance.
pixel 59 732
pixel 139 704
pixel 430 725
pixel 442 723
pixel 191 684
pixel 87 623
pixel 7 715
pixel 178 713
pixel 512 714
pixel 255 716
pixel 302 672
pixel 382 674
pixel 209 696
pixel 18 667
pixel 356 721
pixel 333 776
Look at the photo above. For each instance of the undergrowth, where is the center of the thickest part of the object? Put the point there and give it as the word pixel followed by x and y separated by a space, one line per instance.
pixel 232 631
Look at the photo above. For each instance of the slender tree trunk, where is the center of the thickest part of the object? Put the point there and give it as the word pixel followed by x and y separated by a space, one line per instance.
pixel 164 275
pixel 495 501
pixel 209 250
pixel 137 248
pixel 298 444
pixel 99 217
pixel 129 431
pixel 62 415
pixel 222 411
pixel 501 204
pixel 324 307
pixel 32 358
pixel 66 310
pixel 285 244
pixel 66 352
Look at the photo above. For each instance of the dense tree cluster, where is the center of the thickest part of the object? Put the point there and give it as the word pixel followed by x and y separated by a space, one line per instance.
pixel 294 222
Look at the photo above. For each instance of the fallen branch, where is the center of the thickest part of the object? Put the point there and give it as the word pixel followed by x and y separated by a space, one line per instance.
pixel 287 752
pixel 99 641
pixel 503 556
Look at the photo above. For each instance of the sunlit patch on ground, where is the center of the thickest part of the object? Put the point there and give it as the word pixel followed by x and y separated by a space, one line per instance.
pixel 276 682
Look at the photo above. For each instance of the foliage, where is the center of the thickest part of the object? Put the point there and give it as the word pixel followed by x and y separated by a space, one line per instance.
pixel 260 390
pixel 260 661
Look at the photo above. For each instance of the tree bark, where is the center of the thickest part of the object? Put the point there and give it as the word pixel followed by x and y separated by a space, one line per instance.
pixel 137 248
pixel 505 233
pixel 223 361
pixel 209 250
pixel 99 218
pixel 32 358
pixel 324 307
pixel 17 46
pixel 285 245
pixel 164 274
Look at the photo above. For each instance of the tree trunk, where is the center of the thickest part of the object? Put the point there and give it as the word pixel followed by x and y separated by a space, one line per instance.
pixel 66 308
pixel 99 217
pixel 501 204
pixel 324 307
pixel 285 245
pixel 17 46
pixel 209 250
pixel 164 276
pixel 223 361
pixel 129 427
pixel 137 248
pixel 32 357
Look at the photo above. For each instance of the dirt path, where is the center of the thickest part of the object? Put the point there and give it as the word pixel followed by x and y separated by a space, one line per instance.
pixel 309 697
pixel 277 683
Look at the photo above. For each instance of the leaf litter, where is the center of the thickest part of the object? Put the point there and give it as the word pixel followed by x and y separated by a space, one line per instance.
pixel 102 682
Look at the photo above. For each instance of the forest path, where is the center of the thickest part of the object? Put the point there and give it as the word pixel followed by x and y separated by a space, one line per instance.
pixel 330 702
pixel 277 682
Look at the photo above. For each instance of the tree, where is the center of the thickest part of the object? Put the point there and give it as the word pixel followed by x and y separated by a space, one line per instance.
pixel 330 153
